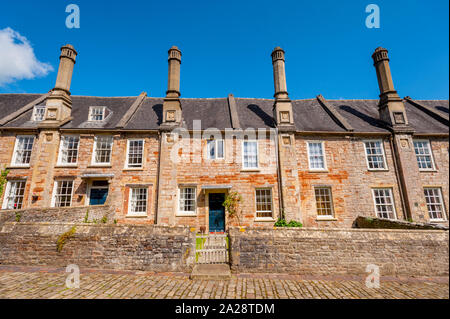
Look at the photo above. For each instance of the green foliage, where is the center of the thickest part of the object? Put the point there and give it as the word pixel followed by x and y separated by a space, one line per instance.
pixel 62 239
pixel 3 174
pixel 18 216
pixel 115 221
pixel 410 220
pixel 104 219
pixel 231 204
pixel 282 223
pixel 86 217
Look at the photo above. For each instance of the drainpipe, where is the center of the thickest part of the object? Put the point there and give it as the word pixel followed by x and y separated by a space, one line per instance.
pixel 400 177
pixel 280 188
pixel 158 178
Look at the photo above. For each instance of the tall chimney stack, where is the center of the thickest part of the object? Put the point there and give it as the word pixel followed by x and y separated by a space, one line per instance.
pixel 172 104
pixel 59 103
pixel 390 107
pixel 283 107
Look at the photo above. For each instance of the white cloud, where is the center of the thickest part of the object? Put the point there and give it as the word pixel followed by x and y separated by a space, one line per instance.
pixel 17 59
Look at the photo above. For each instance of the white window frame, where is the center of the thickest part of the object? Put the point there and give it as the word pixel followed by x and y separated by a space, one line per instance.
pixel 325 167
pixel 60 163
pixel 325 217
pixel 36 107
pixel 130 213
pixel 257 156
pixel 385 168
pixel 8 189
pixel 127 164
pixel 441 199
pixel 94 151
pixel 14 157
pixel 91 113
pixel 433 167
pixel 187 213
pixel 391 193
pixel 265 218
pixel 216 148
pixel 54 194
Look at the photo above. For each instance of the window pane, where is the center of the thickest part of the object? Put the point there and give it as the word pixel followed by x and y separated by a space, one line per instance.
pixel 187 199
pixel 435 206
pixel 316 156
pixel 69 149
pixel 220 149
pixel 24 146
pixel 135 153
pixel 263 203
pixel 324 201
pixel 423 154
pixel 63 196
pixel 375 155
pixel 14 197
pixel 103 149
pixel 138 200
pixel 250 154
pixel 384 203
pixel 211 149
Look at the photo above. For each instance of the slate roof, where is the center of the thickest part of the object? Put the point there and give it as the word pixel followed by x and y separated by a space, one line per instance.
pixel 309 114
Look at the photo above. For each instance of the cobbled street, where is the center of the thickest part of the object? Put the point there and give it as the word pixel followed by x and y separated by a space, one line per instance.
pixel 45 282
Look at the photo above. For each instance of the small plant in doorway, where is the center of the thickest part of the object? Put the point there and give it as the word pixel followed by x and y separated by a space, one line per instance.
pixel 231 204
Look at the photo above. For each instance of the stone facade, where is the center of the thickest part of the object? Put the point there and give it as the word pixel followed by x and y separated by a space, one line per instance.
pixel 331 252
pixel 342 126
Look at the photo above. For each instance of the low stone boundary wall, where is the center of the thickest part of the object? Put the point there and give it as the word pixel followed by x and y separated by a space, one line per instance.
pixel 330 252
pixel 383 223
pixel 58 214
pixel 133 247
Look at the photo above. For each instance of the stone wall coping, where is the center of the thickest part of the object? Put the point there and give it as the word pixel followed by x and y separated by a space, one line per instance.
pixel 356 230
pixel 95 225
pixel 53 208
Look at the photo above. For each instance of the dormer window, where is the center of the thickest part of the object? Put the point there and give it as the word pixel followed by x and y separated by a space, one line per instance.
pixel 97 113
pixel 38 113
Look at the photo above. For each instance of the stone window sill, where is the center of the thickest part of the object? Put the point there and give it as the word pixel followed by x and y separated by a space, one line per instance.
pixel 318 171
pixel 185 214
pixel 320 219
pixel 265 220
pixel 100 166
pixel 18 166
pixel 378 170
pixel 428 170
pixel 133 169
pixel 249 170
pixel 437 221
pixel 66 166
pixel 136 216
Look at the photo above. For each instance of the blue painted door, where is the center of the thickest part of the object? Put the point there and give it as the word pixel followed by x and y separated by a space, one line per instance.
pixel 216 212
pixel 98 196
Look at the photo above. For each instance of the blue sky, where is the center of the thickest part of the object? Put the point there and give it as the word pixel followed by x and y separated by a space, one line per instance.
pixel 226 46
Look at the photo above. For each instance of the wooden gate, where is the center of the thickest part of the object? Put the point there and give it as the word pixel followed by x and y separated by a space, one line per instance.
pixel 212 249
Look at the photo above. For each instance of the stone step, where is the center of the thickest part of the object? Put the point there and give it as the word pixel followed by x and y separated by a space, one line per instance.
pixel 211 272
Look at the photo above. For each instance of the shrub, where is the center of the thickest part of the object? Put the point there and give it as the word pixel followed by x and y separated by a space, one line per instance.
pixel 282 223
pixel 62 239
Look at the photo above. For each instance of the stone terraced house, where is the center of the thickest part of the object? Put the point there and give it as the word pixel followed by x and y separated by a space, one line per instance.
pixel 172 160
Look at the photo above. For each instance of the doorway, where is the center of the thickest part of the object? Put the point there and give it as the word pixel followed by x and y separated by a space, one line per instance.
pixel 216 213
pixel 98 193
